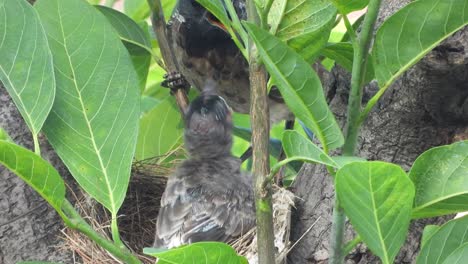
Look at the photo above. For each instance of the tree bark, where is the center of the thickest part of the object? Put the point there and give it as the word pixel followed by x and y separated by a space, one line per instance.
pixel 426 107
pixel 29 227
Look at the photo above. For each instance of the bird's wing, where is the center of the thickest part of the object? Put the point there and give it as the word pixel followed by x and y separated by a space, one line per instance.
pixel 192 213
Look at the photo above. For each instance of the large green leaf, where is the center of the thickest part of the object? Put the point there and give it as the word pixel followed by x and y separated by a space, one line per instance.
pixel 137 9
pixel 377 198
pixel 26 67
pixel 129 31
pixel 35 171
pixel 161 130
pixel 444 242
pixel 441 179
pixel 201 252
pixel 4 135
pixel 348 6
pixel 405 37
pixel 459 256
pixel 136 40
pixel 94 121
pixel 428 231
pixel 299 85
pixel 297 146
pixel 305 25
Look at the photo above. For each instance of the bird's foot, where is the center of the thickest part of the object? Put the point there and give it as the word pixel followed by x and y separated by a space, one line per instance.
pixel 175 81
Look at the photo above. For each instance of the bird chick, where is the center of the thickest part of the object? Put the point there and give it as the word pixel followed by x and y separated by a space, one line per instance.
pixel 208 198
pixel 205 53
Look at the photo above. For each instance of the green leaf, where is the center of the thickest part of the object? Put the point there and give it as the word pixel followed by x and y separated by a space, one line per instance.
pixel 441 179
pixel 343 54
pixel 377 198
pixel 428 231
pixel 35 171
pixel 408 35
pixel 94 121
pixel 444 242
pixel 136 40
pixel 348 6
pixel 201 252
pixel 296 145
pixel 344 160
pixel 216 8
pixel 138 10
pixel 26 67
pixel 305 25
pixel 459 256
pixel 129 31
pixel 160 130
pixel 299 85
pixel 4 135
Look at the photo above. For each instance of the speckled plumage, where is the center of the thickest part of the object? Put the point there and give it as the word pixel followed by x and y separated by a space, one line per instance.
pixel 208 198
pixel 207 57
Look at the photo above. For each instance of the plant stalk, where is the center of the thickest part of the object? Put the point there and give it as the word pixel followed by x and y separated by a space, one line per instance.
pixel 76 222
pixel 361 52
pixel 37 147
pixel 159 27
pixel 260 120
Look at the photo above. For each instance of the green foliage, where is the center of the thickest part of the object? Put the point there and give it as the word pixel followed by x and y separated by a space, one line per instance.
pixel 35 171
pixel 26 67
pixel 161 131
pixel 408 35
pixel 448 239
pixel 348 6
pixel 458 256
pixel 94 121
pixel 441 179
pixel 428 231
pixel 4 135
pixel 299 85
pixel 136 40
pixel 299 147
pixel 376 197
pixel 304 25
pixel 201 252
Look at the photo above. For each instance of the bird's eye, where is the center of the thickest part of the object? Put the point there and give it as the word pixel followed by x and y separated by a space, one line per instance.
pixel 203 110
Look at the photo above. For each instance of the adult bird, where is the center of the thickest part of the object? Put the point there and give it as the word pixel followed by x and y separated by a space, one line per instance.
pixel 207 57
pixel 208 198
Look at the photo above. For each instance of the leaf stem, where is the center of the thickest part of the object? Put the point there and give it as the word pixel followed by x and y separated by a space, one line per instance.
pixel 260 120
pixel 265 12
pixel 37 147
pixel 351 244
pixel 76 222
pixel 350 29
pixel 115 231
pixel 353 123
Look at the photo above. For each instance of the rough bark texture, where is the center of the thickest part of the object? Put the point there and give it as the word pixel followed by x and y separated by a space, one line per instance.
pixel 426 107
pixel 29 227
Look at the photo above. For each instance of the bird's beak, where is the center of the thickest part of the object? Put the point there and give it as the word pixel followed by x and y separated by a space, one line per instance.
pixel 214 21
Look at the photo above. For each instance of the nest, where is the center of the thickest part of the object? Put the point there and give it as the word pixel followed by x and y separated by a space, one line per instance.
pixel 137 219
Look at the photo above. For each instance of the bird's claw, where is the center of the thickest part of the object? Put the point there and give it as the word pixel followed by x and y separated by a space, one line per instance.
pixel 175 81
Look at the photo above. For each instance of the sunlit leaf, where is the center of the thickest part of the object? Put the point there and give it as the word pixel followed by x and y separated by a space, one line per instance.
pixel 201 252
pixel 428 231
pixel 441 179
pixel 161 130
pixel 377 199
pixel 4 135
pixel 305 25
pixel 26 67
pixel 35 171
pixel 458 256
pixel 444 242
pixel 137 9
pixel 348 6
pixel 413 31
pixel 94 121
pixel 299 85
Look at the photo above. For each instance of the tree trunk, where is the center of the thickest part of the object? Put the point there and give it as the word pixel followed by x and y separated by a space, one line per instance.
pixel 29 227
pixel 426 107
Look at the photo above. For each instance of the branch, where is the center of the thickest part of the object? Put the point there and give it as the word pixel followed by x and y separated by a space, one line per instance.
pixel 361 51
pixel 159 27
pixel 260 120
